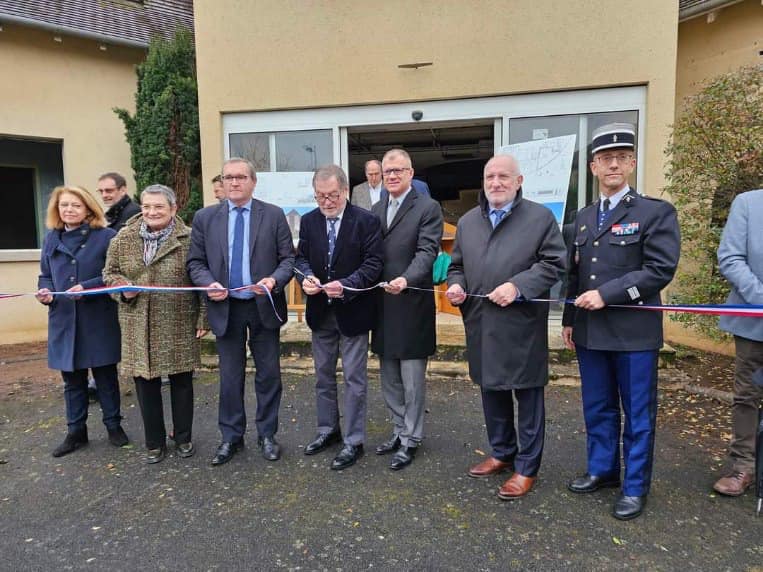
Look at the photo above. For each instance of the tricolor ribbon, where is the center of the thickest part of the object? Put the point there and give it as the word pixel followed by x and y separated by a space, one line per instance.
pixel 738 310
pixel 102 290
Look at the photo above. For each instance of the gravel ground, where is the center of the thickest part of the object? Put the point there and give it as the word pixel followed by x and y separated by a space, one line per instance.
pixel 103 508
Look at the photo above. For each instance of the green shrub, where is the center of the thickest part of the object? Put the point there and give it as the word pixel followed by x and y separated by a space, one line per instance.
pixel 715 153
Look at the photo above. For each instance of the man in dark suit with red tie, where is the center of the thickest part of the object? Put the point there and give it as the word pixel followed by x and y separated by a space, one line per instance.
pixel 340 247
pixel 244 243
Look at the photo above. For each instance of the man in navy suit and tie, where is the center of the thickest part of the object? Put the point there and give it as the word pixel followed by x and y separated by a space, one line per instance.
pixel 340 246
pixel 244 243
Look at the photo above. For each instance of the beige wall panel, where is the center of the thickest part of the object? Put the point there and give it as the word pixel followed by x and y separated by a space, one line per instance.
pixel 66 92
pixel 706 50
pixel 282 54
pixel 21 319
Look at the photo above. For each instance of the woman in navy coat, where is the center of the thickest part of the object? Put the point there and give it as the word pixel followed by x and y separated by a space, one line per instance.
pixel 83 332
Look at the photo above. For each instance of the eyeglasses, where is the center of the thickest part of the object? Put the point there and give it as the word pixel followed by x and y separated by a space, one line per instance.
pixel 397 172
pixel 333 197
pixel 621 158
pixel 231 178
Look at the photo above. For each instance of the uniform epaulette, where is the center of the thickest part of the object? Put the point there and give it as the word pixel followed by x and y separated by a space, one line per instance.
pixel 652 198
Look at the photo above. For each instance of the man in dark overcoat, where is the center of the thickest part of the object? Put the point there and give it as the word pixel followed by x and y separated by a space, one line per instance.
pixel 625 251
pixel 339 248
pixel 509 249
pixel 405 333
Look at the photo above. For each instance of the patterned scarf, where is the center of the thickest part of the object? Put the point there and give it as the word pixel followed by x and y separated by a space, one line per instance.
pixel 153 240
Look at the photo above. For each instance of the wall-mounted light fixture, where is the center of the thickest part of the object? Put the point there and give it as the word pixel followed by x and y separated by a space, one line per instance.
pixel 415 65
pixel 58 39
pixel 102 47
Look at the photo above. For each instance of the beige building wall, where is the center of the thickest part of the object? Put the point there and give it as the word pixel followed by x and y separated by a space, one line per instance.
pixel 289 54
pixel 60 91
pixel 705 50
pixel 708 49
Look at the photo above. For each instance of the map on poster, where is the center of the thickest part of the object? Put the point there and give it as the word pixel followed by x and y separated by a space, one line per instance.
pixel 546 165
pixel 293 192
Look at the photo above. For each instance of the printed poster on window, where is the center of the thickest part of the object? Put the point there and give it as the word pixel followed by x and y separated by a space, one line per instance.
pixel 293 192
pixel 547 166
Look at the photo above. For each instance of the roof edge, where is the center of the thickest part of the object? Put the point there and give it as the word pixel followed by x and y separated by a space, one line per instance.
pixel 32 23
pixel 704 8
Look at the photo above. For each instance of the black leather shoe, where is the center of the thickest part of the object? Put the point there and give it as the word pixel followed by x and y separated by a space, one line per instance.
pixel 322 441
pixel 347 457
pixel 402 458
pixel 627 507
pixel 392 444
pixel 72 442
pixel 226 451
pixel 154 456
pixel 118 437
pixel 590 483
pixel 271 450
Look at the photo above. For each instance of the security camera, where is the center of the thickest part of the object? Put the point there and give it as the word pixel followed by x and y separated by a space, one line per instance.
pixel 417 115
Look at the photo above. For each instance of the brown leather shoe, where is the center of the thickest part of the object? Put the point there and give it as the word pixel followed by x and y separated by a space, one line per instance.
pixel 488 467
pixel 517 486
pixel 733 484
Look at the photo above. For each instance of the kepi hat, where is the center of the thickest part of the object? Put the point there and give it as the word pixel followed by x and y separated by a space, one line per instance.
pixel 613 136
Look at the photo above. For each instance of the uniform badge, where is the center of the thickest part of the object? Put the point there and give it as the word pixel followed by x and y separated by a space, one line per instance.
pixel 625 229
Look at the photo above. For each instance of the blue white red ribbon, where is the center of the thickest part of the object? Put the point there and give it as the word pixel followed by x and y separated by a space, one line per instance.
pixel 738 310
pixel 103 290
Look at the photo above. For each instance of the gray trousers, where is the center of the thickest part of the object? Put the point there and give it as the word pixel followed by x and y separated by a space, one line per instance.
pixel 328 343
pixel 744 411
pixel 404 389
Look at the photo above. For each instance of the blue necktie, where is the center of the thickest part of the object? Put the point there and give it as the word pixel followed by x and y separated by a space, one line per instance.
pixel 236 269
pixel 497 215
pixel 604 212
pixel 332 237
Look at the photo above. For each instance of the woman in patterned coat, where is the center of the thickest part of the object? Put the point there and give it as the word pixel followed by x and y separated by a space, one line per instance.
pixel 160 330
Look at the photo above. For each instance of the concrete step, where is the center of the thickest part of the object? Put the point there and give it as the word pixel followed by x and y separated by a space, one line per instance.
pixel 451 344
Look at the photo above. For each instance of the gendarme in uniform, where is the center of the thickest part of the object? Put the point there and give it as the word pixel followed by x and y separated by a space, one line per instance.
pixel 625 251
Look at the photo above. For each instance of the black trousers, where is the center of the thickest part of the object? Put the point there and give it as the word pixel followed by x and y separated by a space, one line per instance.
pixel 149 392
pixel 75 395
pixel 523 446
pixel 244 321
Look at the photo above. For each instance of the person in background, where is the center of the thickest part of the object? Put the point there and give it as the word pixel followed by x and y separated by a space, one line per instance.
pixel 218 188
pixel 367 194
pixel 83 331
pixel 119 206
pixel 160 331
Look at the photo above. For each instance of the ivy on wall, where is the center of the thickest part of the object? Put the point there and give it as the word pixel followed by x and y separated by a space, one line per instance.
pixel 164 132
pixel 715 152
